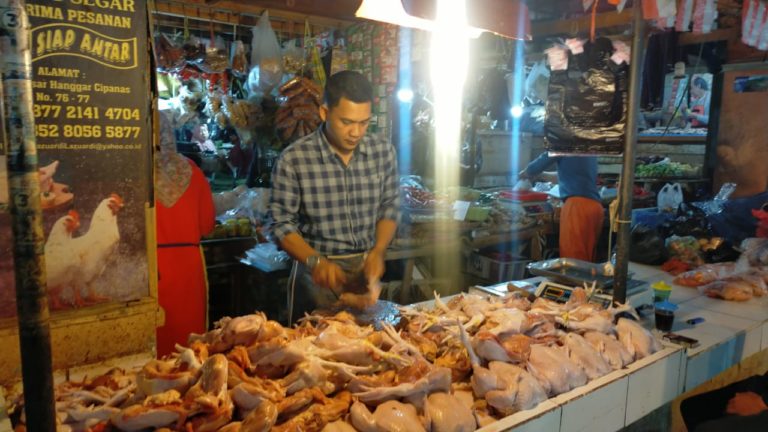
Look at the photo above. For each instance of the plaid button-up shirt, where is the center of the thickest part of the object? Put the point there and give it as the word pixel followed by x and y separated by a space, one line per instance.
pixel 334 207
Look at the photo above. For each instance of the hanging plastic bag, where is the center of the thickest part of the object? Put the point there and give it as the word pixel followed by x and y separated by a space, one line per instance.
pixel 293 58
pixel 239 59
pixel 587 103
pixel 669 198
pixel 316 64
pixel 339 58
pixel 536 83
pixel 266 55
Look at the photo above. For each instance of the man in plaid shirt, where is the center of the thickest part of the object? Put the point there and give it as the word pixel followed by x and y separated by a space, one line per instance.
pixel 335 201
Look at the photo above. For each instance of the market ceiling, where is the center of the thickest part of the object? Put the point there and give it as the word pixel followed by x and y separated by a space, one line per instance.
pixel 498 16
pixel 547 17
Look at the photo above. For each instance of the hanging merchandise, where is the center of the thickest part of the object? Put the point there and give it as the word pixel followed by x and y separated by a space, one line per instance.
pixel 587 101
pixel 168 56
pixel 704 14
pixel 239 59
pixel 536 83
pixel 684 14
pixel 754 24
pixel 266 58
pixel 299 113
pixel 293 58
pixel 339 60
pixel 316 64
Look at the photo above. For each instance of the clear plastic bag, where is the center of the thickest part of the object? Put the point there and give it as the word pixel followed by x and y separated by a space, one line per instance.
pixel 715 206
pixel 536 83
pixel 266 55
pixel 239 60
pixel 293 58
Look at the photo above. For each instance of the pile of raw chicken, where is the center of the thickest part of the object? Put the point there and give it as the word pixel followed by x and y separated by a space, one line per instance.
pixel 457 367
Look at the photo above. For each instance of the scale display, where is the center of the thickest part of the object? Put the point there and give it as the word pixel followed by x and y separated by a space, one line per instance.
pixel 561 293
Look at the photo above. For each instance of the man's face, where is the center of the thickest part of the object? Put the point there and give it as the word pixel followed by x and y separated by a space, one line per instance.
pixel 346 123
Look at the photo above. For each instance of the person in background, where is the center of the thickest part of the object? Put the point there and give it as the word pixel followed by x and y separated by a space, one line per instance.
pixel 581 218
pixel 185 213
pixel 335 200
pixel 698 114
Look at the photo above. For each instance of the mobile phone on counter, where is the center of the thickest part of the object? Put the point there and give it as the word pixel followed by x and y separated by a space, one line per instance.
pixel 681 340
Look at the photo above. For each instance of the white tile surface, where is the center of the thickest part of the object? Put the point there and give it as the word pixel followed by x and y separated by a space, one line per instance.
pixel 764 344
pixel 602 409
pixel 755 309
pixel 752 342
pixel 716 329
pixel 644 272
pixel 545 417
pixel 652 382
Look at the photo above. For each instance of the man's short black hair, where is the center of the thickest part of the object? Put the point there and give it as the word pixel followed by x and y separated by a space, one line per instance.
pixel 347 84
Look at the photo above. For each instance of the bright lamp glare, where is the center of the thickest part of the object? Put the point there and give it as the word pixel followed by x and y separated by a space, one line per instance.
pixel 516 111
pixel 405 95
pixel 449 58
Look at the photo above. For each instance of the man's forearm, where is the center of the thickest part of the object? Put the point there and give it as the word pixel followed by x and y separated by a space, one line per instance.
pixel 297 247
pixel 385 232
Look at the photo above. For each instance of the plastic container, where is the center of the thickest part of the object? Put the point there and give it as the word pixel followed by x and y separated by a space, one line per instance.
pixel 665 315
pixel 661 291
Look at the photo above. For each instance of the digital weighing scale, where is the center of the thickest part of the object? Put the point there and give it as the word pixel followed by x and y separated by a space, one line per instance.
pixel 638 292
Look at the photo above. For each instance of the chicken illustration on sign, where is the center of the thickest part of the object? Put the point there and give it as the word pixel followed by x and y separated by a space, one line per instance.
pixel 74 264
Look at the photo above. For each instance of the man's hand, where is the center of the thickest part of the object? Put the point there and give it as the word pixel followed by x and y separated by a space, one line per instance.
pixel 329 275
pixel 744 404
pixel 373 268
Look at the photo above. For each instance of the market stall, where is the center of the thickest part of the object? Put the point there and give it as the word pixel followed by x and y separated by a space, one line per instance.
pixel 525 353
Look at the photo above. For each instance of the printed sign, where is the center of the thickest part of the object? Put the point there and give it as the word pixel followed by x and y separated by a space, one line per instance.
pixel 90 76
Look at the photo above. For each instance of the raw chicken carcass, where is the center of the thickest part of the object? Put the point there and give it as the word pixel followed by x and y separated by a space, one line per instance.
pixel 391 416
pixel 60 263
pixel 437 379
pixel 339 426
pixel 554 370
pixel 514 389
pixel 610 348
pixel 94 249
pixel 506 387
pixel 637 340
pixel 584 355
pixel 446 413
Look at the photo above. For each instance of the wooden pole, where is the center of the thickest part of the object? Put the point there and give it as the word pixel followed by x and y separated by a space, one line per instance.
pixel 628 168
pixel 26 217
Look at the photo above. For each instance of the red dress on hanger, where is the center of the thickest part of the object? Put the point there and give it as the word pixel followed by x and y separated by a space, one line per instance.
pixel 182 285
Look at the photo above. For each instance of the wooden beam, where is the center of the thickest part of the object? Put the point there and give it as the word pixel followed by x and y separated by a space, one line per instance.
pixel 581 25
pixel 226 12
pixel 727 34
pixel 336 10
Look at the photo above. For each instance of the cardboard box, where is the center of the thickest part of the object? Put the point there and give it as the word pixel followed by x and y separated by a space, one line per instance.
pixel 494 270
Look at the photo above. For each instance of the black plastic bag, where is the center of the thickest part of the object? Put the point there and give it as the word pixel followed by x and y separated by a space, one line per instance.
pixel 647 246
pixel 689 221
pixel 587 103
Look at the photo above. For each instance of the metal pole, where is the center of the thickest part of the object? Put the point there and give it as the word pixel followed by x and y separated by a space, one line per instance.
pixel 628 168
pixel 26 217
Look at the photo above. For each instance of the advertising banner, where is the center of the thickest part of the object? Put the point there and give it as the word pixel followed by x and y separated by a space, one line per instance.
pixel 92 124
